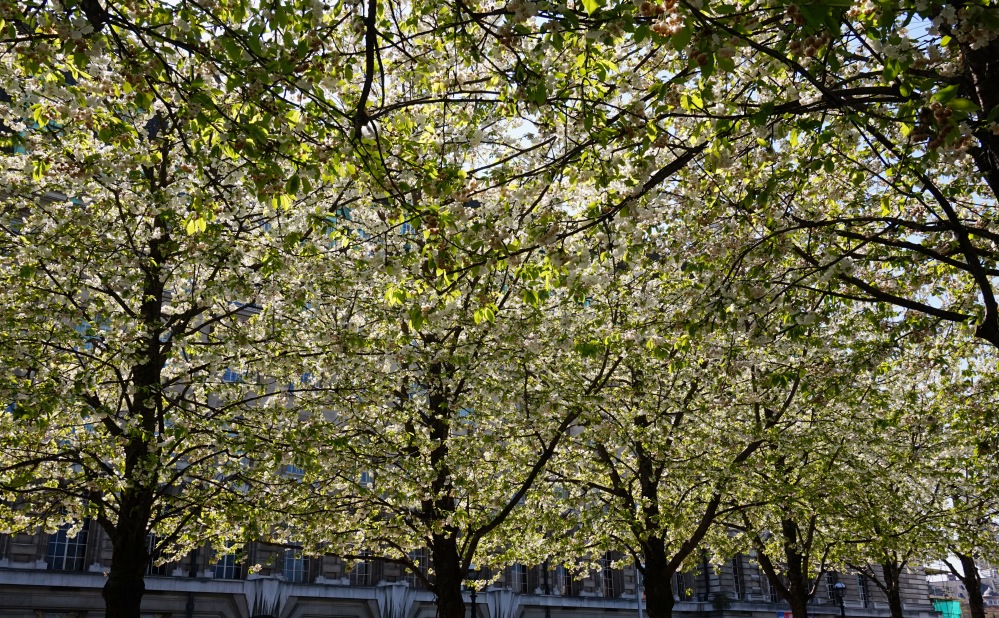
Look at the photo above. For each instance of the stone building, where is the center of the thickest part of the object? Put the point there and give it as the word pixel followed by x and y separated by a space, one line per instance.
pixel 55 576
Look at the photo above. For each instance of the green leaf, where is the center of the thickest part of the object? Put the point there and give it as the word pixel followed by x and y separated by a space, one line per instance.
pixel 37 115
pixel 682 38
pixel 946 94
pixel 591 6
pixel 641 33
pixel 962 105
pixel 416 319
pixel 531 298
pixel 195 225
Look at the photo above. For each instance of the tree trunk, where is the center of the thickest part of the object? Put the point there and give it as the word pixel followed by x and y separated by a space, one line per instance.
pixel 798 592
pixel 973 584
pixel 893 576
pixel 658 581
pixel 125 586
pixel 448 577
pixel 799 605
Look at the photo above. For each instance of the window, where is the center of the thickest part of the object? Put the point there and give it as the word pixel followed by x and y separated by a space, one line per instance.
pixel 227 567
pixel 231 376
pixel 518 578
pixel 681 588
pixel 769 590
pixel 360 575
pixel 421 560
pixel 862 590
pixel 155 555
pixel 739 576
pixel 561 582
pixel 606 577
pixel 831 580
pixel 295 567
pixel 67 553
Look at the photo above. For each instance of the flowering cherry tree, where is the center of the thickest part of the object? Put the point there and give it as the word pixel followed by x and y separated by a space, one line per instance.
pixel 144 282
pixel 454 228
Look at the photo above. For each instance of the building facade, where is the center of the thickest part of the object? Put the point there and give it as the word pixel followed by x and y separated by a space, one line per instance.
pixel 56 576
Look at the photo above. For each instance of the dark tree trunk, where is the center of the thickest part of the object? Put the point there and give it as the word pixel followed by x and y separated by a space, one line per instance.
pixel 893 575
pixel 797 592
pixel 125 587
pixel 447 583
pixel 972 581
pixel 443 545
pixel 658 580
pixel 661 566
pixel 799 604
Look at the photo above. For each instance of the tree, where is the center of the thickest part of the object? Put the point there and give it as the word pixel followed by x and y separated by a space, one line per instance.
pixel 144 284
pixel 441 392
pixel 882 182
pixel 444 213
pixel 653 464
pixel 895 507
pixel 764 115
pixel 794 498
pixel 965 396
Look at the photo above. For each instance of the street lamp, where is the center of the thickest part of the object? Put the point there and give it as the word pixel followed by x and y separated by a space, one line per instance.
pixel 839 589
pixel 472 575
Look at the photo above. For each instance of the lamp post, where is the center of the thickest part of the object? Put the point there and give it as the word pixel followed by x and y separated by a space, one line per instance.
pixel 548 591
pixel 472 574
pixel 638 587
pixel 839 589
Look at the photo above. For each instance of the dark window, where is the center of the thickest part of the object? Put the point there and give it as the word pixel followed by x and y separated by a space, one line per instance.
pixel 561 581
pixel 67 553
pixel 228 566
pixel 769 590
pixel 681 587
pixel 607 577
pixel 295 566
pixel 360 575
pixel 421 559
pixel 862 590
pixel 739 576
pixel 518 578
pixel 831 580
pixel 155 556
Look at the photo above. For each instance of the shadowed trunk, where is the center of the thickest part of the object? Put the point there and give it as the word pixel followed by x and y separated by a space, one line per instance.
pixel 893 576
pixel 448 573
pixel 658 580
pixel 972 581
pixel 444 545
pixel 129 556
pixel 124 589
pixel 798 591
